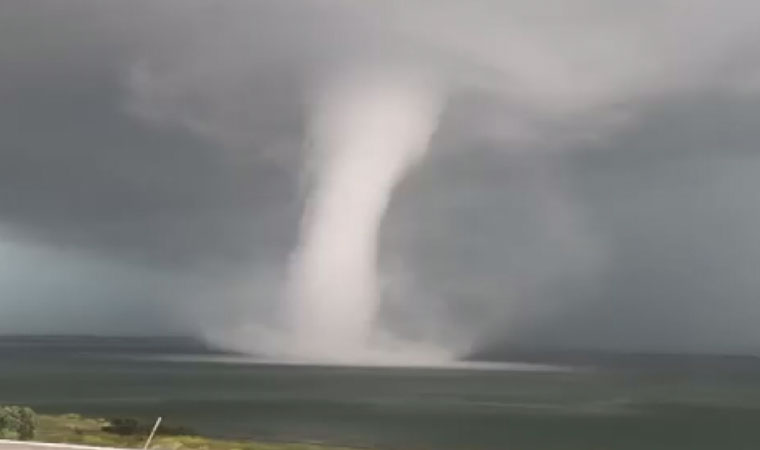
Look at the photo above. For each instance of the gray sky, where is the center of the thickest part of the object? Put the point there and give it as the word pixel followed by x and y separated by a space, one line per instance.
pixel 593 182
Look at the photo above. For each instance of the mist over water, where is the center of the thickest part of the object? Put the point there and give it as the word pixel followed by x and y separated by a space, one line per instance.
pixel 367 131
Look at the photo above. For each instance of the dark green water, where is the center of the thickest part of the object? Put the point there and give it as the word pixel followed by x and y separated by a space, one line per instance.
pixel 396 408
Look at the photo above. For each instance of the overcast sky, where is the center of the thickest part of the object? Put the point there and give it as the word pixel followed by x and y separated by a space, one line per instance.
pixel 594 181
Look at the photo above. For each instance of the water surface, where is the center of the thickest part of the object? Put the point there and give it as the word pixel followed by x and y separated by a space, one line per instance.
pixel 404 408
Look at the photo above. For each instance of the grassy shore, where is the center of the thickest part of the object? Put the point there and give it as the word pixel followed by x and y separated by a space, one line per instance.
pixel 75 429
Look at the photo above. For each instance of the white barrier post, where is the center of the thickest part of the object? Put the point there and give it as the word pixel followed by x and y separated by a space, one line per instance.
pixel 152 433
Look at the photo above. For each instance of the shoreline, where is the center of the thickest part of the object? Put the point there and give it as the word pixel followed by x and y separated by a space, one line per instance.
pixel 71 429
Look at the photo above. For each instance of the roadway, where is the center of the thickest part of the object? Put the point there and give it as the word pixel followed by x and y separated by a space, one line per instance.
pixel 18 445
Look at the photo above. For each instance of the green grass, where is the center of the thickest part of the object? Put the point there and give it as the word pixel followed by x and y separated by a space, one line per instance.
pixel 75 429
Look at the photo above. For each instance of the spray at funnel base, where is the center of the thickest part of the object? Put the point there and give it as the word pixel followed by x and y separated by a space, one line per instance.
pixel 367 131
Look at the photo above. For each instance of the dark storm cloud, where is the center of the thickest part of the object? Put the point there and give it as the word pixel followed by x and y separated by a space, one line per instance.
pixel 168 135
pixel 79 169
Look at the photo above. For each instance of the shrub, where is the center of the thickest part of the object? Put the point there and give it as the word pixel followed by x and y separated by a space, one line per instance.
pixel 123 427
pixel 179 430
pixel 130 427
pixel 17 422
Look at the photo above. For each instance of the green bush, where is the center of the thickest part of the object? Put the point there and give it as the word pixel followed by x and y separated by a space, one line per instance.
pixel 123 427
pixel 17 422
pixel 130 427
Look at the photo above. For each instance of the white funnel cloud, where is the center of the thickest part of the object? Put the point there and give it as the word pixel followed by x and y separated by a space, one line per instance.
pixel 367 132
pixel 523 76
